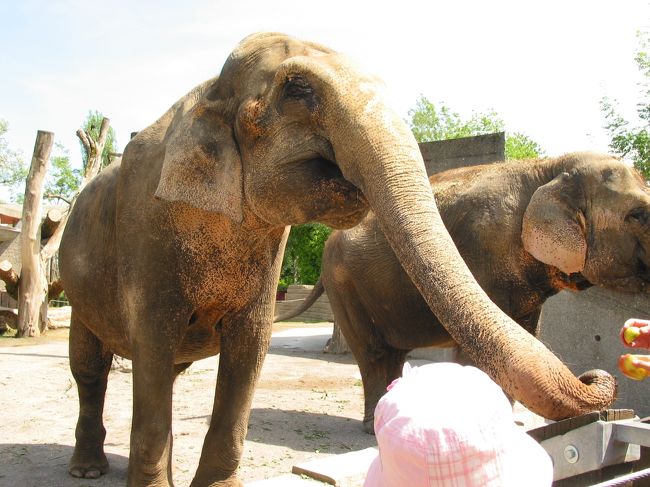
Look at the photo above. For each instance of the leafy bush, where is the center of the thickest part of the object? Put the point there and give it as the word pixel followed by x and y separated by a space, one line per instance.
pixel 303 254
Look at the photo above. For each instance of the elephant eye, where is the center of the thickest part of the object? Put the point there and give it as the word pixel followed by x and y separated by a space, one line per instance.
pixel 639 215
pixel 297 87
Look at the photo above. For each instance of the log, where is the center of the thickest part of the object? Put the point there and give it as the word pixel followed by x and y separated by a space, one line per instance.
pixel 8 319
pixel 51 222
pixel 32 287
pixel 336 344
pixel 55 289
pixel 11 279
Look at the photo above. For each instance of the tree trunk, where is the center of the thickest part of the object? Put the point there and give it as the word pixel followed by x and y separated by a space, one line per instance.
pixel 94 150
pixel 32 289
pixel 337 344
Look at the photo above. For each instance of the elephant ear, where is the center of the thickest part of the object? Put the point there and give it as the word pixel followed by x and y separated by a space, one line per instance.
pixel 202 166
pixel 553 228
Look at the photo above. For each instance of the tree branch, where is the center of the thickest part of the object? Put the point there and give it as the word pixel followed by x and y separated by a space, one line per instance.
pixel 50 223
pixel 53 196
pixel 52 245
pixel 85 140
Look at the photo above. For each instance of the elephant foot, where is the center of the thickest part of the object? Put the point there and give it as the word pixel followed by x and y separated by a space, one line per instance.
pixel 88 466
pixel 233 481
pixel 221 483
pixel 369 426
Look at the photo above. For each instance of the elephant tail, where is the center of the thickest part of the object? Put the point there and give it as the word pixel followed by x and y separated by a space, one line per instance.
pixel 305 304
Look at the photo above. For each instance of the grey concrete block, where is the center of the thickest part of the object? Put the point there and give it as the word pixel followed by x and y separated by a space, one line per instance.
pixel 583 330
pixel 319 311
pixel 467 151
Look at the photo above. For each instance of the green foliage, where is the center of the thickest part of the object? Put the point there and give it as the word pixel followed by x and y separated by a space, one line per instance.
pixel 92 125
pixel 429 122
pixel 62 180
pixel 13 170
pixel 633 142
pixel 520 146
pixel 302 255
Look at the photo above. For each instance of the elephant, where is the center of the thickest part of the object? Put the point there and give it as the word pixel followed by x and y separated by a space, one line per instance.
pixel 174 254
pixel 526 230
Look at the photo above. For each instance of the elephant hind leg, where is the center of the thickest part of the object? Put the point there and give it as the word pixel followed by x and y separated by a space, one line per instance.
pixel 377 372
pixel 379 363
pixel 90 364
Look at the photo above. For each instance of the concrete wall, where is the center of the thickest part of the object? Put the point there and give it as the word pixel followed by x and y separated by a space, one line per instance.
pixel 451 154
pixel 296 293
pixel 583 330
pixel 468 151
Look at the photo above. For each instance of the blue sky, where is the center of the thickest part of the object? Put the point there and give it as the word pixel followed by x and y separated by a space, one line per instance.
pixel 543 66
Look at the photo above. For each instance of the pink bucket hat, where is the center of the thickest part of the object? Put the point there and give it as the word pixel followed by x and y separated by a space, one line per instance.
pixel 447 425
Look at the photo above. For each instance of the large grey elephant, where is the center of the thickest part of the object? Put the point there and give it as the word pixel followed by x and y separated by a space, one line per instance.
pixel 174 255
pixel 526 229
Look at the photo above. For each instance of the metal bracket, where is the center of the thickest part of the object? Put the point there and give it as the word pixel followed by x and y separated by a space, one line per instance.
pixel 595 445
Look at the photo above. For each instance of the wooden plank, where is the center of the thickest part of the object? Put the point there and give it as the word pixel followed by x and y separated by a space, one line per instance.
pixel 286 481
pixel 346 470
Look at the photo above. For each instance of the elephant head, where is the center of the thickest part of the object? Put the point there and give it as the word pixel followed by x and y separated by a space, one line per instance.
pixel 593 219
pixel 292 132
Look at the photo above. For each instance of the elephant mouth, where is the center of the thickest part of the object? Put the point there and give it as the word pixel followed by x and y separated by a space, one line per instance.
pixel 635 283
pixel 643 273
pixel 344 204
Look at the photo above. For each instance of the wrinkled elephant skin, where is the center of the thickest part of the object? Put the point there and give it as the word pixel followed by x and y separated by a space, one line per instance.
pixel 526 229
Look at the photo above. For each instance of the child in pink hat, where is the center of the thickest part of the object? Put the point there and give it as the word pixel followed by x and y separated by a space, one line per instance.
pixel 448 425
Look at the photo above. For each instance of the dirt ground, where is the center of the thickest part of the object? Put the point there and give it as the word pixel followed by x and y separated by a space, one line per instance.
pixel 308 405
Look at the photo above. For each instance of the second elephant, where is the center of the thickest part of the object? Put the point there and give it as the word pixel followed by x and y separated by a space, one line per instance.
pixel 526 229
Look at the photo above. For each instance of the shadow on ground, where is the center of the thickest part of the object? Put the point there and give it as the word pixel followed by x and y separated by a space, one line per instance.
pixel 27 465
pixel 307 343
pixel 305 431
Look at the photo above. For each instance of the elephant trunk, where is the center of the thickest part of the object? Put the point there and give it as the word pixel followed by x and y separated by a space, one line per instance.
pixel 385 162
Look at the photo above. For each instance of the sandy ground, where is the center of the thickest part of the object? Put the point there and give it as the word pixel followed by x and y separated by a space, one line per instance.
pixel 307 405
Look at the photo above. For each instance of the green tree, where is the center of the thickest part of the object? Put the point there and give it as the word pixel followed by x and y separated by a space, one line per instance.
pixel 429 122
pixel 62 181
pixel 13 170
pixel 92 126
pixel 303 254
pixel 633 142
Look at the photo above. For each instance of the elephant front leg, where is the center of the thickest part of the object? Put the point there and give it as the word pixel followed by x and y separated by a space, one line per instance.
pixel 244 343
pixel 151 429
pixel 90 365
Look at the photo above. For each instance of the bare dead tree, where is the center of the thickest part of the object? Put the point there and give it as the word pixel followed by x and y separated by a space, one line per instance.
pixel 41 241
pixel 32 286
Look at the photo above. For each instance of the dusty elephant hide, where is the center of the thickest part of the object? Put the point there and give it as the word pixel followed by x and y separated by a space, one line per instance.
pixel 175 254
pixel 526 229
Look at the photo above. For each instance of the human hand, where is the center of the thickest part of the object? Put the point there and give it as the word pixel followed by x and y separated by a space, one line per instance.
pixel 636 333
pixel 635 367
